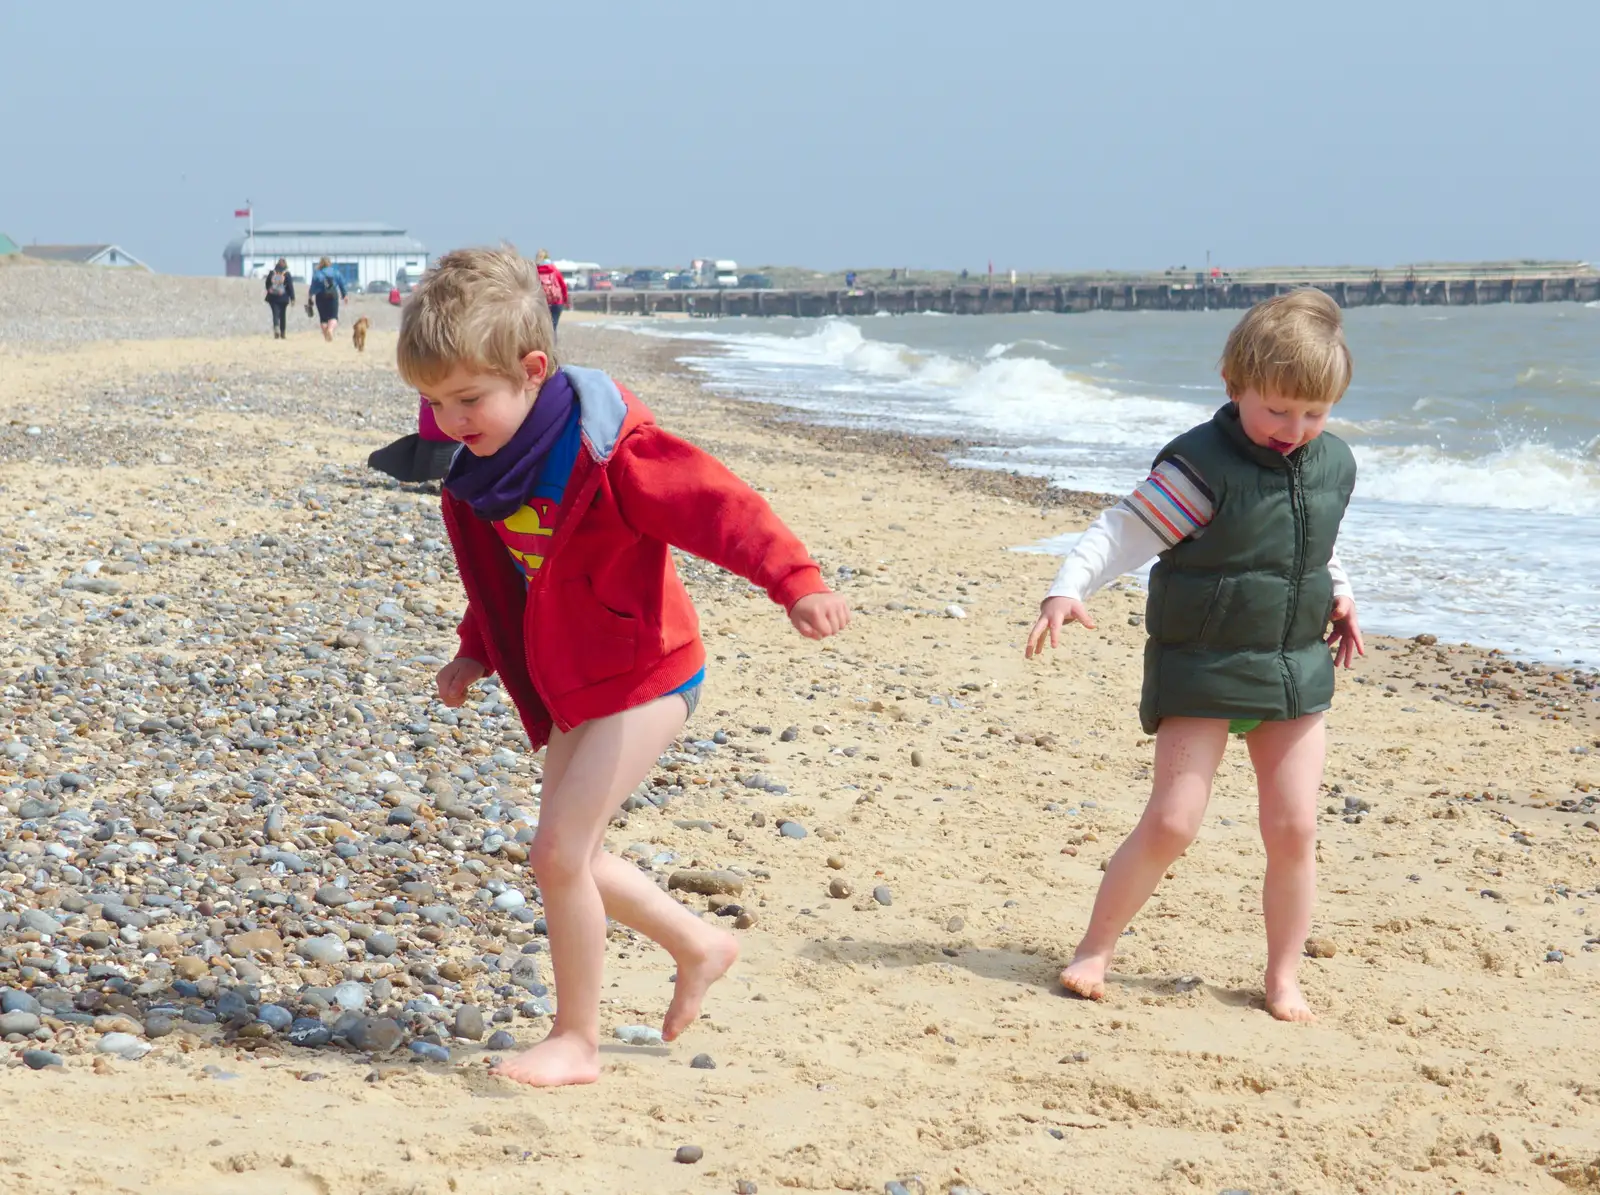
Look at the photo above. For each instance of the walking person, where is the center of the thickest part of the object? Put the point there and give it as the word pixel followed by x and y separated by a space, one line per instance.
pixel 280 297
pixel 555 286
pixel 327 288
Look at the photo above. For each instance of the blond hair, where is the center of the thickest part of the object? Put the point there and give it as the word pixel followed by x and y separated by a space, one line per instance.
pixel 1291 346
pixel 482 310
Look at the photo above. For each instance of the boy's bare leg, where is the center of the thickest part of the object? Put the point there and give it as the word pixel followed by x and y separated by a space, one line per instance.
pixel 588 774
pixel 703 954
pixel 1188 751
pixel 1288 758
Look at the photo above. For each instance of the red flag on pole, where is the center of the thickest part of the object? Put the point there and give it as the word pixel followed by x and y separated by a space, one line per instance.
pixel 241 212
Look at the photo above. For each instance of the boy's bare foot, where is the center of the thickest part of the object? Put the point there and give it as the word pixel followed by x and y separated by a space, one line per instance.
pixel 1285 1001
pixel 1086 977
pixel 560 1060
pixel 695 977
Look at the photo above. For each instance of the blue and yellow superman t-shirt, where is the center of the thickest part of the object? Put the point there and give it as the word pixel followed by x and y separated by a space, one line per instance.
pixel 527 531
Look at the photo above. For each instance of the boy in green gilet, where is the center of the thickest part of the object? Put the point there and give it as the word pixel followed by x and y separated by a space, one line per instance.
pixel 1243 512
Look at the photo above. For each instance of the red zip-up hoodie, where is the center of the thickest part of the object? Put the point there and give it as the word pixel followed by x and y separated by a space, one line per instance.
pixel 605 624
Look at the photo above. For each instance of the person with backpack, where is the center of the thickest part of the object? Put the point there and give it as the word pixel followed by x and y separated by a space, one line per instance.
pixel 327 288
pixel 280 295
pixel 555 286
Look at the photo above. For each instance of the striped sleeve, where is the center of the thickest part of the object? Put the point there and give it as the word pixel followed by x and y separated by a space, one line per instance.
pixel 1174 501
pixel 1170 505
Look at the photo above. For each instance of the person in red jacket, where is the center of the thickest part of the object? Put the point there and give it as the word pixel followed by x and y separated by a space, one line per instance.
pixel 561 511
pixel 555 287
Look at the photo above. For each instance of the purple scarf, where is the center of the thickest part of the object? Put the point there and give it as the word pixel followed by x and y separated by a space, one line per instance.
pixel 496 486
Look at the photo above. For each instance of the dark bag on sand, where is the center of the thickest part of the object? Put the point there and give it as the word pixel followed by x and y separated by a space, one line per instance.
pixel 413 459
pixel 310 308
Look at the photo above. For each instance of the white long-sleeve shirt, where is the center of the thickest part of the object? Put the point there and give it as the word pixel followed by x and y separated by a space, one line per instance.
pixel 1168 507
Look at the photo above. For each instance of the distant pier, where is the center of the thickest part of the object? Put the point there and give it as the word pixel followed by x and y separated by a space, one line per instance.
pixel 1464 286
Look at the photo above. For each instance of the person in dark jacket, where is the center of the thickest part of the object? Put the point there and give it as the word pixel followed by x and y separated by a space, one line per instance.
pixel 1243 512
pixel 327 288
pixel 280 297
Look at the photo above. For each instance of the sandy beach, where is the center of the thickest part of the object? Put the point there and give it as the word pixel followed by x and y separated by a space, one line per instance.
pixel 224 785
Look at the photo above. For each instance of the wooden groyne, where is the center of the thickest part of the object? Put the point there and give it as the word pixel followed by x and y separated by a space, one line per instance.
pixel 1158 293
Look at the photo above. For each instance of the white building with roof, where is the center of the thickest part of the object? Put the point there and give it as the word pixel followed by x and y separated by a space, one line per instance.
pixel 365 253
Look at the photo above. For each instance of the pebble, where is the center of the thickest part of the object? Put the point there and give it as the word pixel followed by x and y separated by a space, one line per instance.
pixel 309 1032
pixel 469 1023
pixel 702 1062
pixel 839 888
pixel 40 922
pixel 326 950
pixel 509 899
pixel 375 1035
pixel 638 1035
pixel 706 883
pixel 916 759
pixel 882 895
pixel 18 1022
pixel 688 1154
pixel 15 1001
pixel 428 1052
pixel 124 1045
pixel 745 1187
pixel 333 896
pixel 351 996
pixel 791 829
pixel 500 1040
pixel 1555 956
pixel 38 1060
pixel 1320 948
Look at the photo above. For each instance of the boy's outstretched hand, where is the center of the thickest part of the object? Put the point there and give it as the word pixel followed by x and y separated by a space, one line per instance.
pixel 1345 638
pixel 1054 613
pixel 456 677
pixel 818 615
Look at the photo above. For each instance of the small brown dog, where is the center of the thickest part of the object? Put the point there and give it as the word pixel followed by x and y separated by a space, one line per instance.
pixel 359 333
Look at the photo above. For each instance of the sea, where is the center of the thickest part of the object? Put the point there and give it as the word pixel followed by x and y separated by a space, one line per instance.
pixel 1476 515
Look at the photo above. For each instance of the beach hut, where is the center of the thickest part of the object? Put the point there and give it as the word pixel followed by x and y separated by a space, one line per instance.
pixel 88 255
pixel 8 246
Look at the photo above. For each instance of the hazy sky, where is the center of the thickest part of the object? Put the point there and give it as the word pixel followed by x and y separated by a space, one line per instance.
pixel 1036 133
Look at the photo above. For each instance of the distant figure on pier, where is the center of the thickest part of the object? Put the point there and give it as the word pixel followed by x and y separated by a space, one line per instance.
pixel 849 280
pixel 555 286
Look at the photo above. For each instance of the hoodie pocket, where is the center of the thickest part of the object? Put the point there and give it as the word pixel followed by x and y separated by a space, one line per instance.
pixel 584 641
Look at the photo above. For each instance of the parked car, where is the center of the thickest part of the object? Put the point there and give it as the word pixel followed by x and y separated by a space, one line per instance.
pixel 378 286
pixel 647 280
pixel 756 282
pixel 683 281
